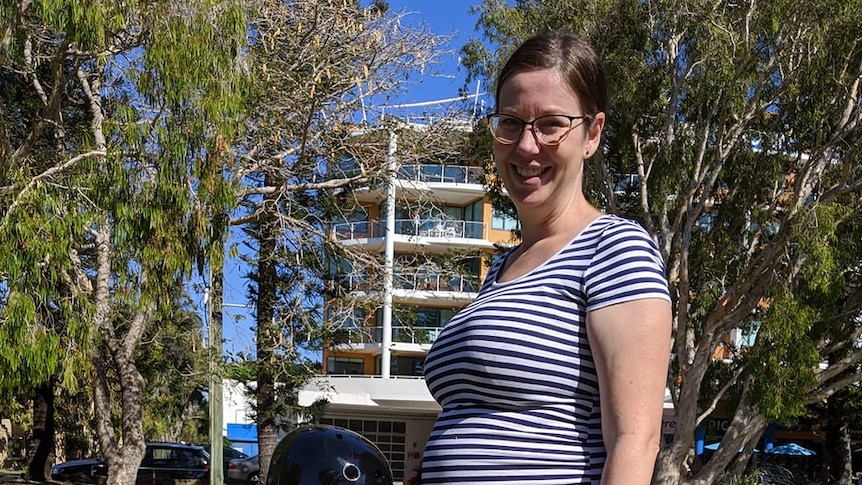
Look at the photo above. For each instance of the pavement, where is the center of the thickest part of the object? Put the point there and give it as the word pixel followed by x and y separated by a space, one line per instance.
pixel 13 477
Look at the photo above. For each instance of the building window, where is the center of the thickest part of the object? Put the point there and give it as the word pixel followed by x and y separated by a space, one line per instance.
pixel 345 365
pixel 745 337
pixel 389 436
pixel 503 222
pixel 407 366
pixel 474 211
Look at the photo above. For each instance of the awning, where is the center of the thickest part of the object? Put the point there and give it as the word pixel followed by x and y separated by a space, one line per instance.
pixel 242 433
pixel 714 446
pixel 791 449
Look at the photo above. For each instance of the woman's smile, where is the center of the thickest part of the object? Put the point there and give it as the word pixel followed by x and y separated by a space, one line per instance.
pixel 526 172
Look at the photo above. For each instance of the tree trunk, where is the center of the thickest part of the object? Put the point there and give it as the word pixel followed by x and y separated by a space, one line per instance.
pixel 115 350
pixel 267 432
pixel 838 464
pixel 43 432
pixel 669 469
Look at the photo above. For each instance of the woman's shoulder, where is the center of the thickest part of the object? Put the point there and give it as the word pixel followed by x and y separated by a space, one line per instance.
pixel 613 226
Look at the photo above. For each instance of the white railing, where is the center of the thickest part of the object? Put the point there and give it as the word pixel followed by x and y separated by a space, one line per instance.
pixel 426 228
pixel 453 174
pixel 417 280
pixel 400 334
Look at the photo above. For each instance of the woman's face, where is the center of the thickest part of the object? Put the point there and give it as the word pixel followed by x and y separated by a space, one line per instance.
pixel 539 176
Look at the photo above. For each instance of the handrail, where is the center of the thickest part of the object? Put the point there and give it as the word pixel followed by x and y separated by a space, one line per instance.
pixel 425 172
pixel 455 174
pixel 400 334
pixel 417 280
pixel 417 227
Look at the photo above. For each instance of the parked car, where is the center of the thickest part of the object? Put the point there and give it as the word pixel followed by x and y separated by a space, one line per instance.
pixel 163 463
pixel 243 471
pixel 80 471
pixel 227 455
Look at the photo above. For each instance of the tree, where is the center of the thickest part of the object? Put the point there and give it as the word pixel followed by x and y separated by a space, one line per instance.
pixel 115 117
pixel 318 67
pixel 740 122
pixel 174 363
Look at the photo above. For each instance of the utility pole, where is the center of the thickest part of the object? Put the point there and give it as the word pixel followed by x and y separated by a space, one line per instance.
pixel 215 294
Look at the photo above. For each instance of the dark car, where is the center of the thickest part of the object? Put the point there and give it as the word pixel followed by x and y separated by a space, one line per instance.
pixel 169 463
pixel 86 471
pixel 163 463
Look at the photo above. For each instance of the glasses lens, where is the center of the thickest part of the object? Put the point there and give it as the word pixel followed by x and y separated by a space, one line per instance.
pixel 552 129
pixel 506 129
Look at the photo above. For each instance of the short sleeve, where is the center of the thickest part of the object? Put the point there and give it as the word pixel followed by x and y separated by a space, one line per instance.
pixel 626 266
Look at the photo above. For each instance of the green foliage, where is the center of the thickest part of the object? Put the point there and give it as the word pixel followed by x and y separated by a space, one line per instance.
pixel 75 423
pixel 175 366
pixel 35 323
pixel 114 128
pixel 764 473
pixel 783 359
pixel 316 411
pixel 830 248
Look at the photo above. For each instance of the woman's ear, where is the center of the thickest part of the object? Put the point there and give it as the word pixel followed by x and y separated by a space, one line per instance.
pixel 594 135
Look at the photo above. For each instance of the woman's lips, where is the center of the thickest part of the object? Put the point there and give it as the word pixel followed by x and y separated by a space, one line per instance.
pixel 526 172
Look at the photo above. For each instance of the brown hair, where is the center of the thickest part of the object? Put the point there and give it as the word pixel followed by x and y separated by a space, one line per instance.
pixel 573 57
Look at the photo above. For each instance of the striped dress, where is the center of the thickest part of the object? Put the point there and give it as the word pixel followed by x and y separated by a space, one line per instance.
pixel 513 370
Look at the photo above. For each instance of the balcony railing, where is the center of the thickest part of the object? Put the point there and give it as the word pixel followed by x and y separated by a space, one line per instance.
pixel 440 227
pixel 425 172
pixel 418 280
pixel 453 174
pixel 400 334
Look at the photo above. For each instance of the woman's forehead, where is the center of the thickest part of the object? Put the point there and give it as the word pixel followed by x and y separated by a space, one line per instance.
pixel 544 89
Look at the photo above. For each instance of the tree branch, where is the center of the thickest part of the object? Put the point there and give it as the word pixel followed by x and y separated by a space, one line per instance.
pixel 38 178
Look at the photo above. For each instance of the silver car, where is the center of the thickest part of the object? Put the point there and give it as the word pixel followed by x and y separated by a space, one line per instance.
pixel 243 471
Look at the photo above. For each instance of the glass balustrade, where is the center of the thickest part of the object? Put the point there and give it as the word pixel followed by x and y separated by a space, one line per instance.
pixel 426 172
pixel 400 334
pixel 454 174
pixel 428 228
pixel 414 280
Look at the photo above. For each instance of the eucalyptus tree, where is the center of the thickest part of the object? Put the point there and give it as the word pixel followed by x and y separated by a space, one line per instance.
pixel 740 124
pixel 312 137
pixel 114 119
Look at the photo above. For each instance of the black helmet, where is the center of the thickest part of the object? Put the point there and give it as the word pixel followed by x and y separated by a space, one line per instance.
pixel 327 455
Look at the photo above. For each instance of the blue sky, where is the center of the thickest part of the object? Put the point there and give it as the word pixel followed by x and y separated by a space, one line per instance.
pixel 443 17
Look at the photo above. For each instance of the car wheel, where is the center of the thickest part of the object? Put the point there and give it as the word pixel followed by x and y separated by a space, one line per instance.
pixel 254 478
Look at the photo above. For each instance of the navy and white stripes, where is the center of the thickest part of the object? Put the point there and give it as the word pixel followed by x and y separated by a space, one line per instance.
pixel 513 370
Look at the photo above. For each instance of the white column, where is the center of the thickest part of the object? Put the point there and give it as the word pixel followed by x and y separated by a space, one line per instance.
pixel 389 258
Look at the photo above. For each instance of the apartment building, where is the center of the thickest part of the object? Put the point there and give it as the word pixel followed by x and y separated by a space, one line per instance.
pixel 433 228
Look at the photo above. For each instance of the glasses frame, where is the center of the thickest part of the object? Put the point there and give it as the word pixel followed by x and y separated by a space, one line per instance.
pixel 532 125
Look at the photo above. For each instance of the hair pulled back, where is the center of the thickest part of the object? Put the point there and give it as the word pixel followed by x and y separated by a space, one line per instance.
pixel 573 57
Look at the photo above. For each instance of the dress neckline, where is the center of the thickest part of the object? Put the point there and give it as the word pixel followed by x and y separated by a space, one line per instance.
pixel 496 282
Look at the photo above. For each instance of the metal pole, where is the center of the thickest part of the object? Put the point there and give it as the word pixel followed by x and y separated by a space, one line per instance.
pixel 214 314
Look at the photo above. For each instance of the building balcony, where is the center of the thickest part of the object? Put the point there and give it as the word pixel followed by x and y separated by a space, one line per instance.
pixel 452 184
pixel 354 393
pixel 372 337
pixel 418 286
pixel 411 235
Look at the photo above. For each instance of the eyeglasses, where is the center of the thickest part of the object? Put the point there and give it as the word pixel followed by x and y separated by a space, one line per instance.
pixel 548 129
